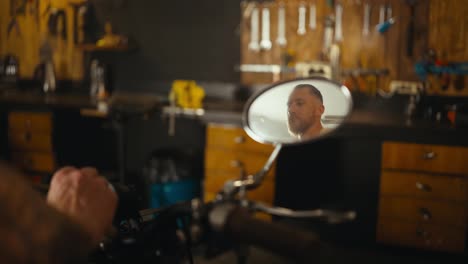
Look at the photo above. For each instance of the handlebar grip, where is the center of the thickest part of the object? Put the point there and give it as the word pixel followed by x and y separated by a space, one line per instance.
pixel 301 246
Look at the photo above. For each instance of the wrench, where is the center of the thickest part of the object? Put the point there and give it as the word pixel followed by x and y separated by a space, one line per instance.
pixel 13 24
pixel 312 16
pixel 382 14
pixel 389 11
pixel 253 45
pixel 338 28
pixel 265 43
pixel 301 27
pixel 328 34
pixel 281 40
pixel 365 27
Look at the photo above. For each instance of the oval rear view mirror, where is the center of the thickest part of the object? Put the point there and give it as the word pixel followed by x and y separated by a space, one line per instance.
pixel 296 111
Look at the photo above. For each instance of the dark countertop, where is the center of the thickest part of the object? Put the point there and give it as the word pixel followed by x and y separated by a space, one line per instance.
pixel 361 123
pixel 132 102
pixel 14 98
pixel 139 102
pixel 386 126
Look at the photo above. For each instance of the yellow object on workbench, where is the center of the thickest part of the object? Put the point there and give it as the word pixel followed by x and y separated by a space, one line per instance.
pixel 110 39
pixel 187 94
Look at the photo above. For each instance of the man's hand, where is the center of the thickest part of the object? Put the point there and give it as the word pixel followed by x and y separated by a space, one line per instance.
pixel 85 197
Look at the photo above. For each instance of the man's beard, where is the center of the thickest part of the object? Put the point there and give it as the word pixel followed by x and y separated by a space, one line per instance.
pixel 296 126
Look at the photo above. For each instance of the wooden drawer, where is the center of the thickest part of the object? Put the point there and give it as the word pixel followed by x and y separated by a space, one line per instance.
pixel 25 140
pixel 421 235
pixel 34 161
pixel 231 161
pixel 233 138
pixel 430 158
pixel 30 121
pixel 423 211
pixel 420 185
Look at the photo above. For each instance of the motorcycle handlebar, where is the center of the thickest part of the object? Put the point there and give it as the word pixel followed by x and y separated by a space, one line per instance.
pixel 301 246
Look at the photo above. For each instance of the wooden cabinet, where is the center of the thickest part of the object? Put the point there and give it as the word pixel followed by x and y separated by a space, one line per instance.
pixel 30 121
pixel 34 161
pixel 427 158
pixel 423 186
pixel 30 141
pixel 420 235
pixel 423 196
pixel 230 154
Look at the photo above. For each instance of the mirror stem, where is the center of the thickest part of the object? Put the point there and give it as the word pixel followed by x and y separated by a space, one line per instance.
pixel 252 181
pixel 259 176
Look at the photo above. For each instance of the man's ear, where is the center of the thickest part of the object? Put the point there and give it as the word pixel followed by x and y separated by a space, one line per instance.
pixel 320 109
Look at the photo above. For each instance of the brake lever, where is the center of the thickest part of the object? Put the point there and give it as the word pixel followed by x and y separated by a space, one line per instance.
pixel 335 217
pixel 331 216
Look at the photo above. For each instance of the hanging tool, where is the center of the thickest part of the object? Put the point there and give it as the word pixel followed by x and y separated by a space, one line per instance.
pixel 58 22
pixel 338 26
pixel 36 12
pixel 365 26
pixel 301 27
pixel 78 10
pixel 328 34
pixel 32 6
pixel 265 43
pixel 13 8
pixel 410 30
pixel 382 14
pixel 334 56
pixel 19 9
pixel 389 11
pixel 281 40
pixel 253 45
pixel 47 9
pixel 383 27
pixel 13 24
pixel 385 19
pixel 312 16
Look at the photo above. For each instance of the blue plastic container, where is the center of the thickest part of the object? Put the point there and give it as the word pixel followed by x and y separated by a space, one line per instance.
pixel 168 193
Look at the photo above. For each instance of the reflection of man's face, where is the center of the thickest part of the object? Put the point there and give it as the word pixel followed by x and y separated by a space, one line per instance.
pixel 304 111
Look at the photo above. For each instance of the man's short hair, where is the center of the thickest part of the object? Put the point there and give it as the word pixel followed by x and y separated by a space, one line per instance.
pixel 312 89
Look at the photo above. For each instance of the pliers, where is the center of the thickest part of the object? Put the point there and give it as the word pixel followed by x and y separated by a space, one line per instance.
pixel 13 24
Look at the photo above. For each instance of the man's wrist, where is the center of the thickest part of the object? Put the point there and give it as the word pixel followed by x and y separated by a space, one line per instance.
pixel 69 243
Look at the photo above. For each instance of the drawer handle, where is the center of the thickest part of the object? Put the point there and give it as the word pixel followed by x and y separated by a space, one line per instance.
pixel 239 139
pixel 423 187
pixel 27 123
pixel 422 233
pixel 27 137
pixel 425 213
pixel 28 162
pixel 429 155
pixel 237 164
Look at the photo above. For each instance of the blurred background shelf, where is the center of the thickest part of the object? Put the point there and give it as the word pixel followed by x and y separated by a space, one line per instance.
pixel 93 47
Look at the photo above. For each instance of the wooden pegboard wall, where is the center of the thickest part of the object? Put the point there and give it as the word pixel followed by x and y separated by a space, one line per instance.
pixel 373 51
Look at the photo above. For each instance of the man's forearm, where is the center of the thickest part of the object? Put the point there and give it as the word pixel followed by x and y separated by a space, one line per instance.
pixel 35 232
